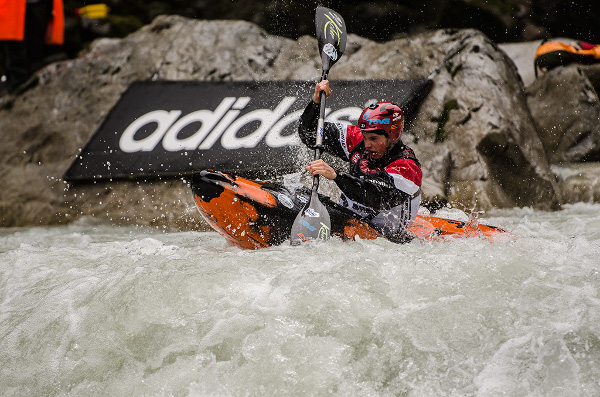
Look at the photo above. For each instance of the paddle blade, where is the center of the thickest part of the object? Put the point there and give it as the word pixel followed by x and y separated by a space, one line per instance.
pixel 331 35
pixel 312 223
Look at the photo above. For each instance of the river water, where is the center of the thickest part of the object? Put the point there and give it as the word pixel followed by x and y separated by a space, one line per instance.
pixel 91 309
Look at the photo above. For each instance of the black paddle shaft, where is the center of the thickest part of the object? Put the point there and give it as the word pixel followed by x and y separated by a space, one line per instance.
pixel 320 131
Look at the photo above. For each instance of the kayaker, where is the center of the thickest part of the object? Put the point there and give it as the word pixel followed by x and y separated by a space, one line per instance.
pixel 383 183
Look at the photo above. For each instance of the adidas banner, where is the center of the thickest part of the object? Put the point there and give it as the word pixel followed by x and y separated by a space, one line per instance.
pixel 175 128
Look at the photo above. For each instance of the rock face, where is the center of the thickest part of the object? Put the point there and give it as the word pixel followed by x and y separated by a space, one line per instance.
pixel 566 110
pixel 578 182
pixel 476 115
pixel 474 134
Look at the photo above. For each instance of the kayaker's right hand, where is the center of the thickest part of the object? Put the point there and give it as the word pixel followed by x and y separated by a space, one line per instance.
pixel 321 86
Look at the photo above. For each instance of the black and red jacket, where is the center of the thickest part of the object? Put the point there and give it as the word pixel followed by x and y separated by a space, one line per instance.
pixel 386 191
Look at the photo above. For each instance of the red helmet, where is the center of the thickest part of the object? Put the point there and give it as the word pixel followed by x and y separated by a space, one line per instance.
pixel 385 118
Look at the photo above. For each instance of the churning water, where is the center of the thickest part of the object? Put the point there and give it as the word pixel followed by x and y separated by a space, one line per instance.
pixel 91 309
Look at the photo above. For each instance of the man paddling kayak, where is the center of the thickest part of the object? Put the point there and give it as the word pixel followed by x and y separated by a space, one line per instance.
pixel 383 184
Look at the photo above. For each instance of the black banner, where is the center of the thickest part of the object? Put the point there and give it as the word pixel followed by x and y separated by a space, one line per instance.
pixel 175 128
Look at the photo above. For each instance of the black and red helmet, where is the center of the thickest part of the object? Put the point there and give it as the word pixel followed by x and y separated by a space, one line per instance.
pixel 383 118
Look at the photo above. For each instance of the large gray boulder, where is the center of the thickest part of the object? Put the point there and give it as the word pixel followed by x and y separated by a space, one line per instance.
pixel 474 134
pixel 475 130
pixel 566 110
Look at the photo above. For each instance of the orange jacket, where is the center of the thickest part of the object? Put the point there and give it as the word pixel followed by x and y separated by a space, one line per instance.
pixel 12 21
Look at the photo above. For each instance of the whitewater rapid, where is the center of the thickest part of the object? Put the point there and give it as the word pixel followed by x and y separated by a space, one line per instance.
pixel 91 309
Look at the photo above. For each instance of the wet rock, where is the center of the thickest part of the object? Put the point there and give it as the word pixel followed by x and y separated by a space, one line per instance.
pixel 473 134
pixel 578 182
pixel 477 112
pixel 592 72
pixel 566 111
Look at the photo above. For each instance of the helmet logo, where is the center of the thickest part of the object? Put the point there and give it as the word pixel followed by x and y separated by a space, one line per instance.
pixel 376 121
pixel 366 115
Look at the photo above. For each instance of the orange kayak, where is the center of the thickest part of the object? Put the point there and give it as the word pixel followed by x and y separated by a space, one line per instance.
pixel 254 214
pixel 551 54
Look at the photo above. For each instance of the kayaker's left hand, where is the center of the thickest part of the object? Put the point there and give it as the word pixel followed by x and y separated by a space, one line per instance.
pixel 322 168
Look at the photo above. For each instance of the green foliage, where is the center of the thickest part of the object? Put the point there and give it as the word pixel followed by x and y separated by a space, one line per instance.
pixel 442 119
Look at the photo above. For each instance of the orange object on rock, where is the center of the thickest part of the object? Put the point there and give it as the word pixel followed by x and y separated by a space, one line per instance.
pixel 551 54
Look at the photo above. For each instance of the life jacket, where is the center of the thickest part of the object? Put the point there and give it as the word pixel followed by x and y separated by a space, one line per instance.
pixel 360 163
pixel 395 220
pixel 551 54
pixel 12 21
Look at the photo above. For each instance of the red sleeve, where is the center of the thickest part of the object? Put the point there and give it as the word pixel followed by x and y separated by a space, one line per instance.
pixel 406 175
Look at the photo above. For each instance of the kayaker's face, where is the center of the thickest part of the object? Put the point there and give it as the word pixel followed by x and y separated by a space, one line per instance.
pixel 376 144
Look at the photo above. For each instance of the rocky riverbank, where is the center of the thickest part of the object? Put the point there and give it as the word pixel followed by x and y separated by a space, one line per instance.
pixel 485 138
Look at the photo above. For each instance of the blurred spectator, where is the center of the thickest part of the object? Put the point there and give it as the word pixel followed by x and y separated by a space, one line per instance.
pixel 25 27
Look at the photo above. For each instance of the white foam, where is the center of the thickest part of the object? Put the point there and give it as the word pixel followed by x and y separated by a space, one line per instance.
pixel 92 309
